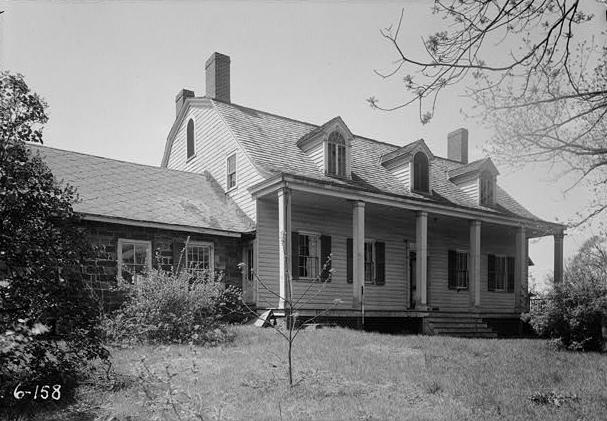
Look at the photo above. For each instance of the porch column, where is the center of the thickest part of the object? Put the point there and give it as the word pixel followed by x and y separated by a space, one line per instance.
pixel 475 263
pixel 421 263
pixel 284 245
pixel 358 252
pixel 558 257
pixel 520 268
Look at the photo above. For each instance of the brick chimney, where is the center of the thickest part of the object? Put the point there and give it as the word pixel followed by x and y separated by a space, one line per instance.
pixel 181 97
pixel 218 77
pixel 457 145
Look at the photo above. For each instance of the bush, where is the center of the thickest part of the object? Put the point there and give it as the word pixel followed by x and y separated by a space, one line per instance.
pixel 574 310
pixel 163 307
pixel 48 319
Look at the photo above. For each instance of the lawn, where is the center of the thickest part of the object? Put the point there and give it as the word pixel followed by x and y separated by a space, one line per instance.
pixel 348 375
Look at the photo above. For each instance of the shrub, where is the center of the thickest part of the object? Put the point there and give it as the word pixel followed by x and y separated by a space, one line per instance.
pixel 163 307
pixel 573 311
pixel 48 320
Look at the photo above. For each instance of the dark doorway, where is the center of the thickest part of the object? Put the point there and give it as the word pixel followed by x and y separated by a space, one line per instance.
pixel 412 278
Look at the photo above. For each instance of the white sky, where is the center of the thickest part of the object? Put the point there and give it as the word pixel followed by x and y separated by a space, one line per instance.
pixel 110 72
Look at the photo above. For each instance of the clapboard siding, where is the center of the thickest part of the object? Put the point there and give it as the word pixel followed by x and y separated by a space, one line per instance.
pixel 394 228
pixel 317 154
pixel 471 188
pixel 403 173
pixel 337 224
pixel 213 144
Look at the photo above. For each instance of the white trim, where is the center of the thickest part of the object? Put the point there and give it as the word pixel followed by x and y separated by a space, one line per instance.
pixel 148 253
pixel 235 186
pixel 316 235
pixel 211 246
pixel 191 157
pixel 344 192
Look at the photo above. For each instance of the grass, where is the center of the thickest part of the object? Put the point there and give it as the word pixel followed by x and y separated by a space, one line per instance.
pixel 348 375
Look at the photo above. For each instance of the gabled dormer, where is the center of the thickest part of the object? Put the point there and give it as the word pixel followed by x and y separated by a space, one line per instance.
pixel 477 179
pixel 411 166
pixel 329 146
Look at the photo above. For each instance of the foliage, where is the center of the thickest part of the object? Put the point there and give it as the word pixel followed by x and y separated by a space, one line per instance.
pixel 544 95
pixel 574 310
pixel 166 307
pixel 41 248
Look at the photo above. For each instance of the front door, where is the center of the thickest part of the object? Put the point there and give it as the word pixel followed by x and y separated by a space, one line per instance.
pixel 412 278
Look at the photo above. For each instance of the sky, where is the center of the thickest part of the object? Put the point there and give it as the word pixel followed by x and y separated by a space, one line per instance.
pixel 110 71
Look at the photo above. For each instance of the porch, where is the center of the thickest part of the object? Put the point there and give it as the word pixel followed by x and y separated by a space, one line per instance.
pixel 390 257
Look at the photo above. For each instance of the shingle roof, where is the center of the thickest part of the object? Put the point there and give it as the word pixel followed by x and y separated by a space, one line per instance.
pixel 136 192
pixel 472 167
pixel 271 143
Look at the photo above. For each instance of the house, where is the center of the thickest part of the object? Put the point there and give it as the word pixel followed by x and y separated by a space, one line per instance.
pixel 412 236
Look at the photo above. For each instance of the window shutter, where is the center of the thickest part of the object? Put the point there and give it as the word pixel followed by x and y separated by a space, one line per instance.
pixel 452 267
pixel 350 252
pixel 510 274
pixel 380 263
pixel 325 253
pixel 491 272
pixel 295 255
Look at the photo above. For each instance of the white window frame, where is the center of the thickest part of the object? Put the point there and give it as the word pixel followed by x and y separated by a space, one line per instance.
pixel 467 254
pixel 318 266
pixel 371 243
pixel 504 274
pixel 209 244
pixel 148 256
pixel 488 181
pixel 228 173
pixel 189 158
pixel 338 160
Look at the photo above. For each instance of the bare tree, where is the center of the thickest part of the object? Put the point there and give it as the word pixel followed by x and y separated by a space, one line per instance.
pixel 537 75
pixel 292 306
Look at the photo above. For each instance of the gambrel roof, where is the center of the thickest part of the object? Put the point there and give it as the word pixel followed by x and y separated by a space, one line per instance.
pixel 270 141
pixel 129 193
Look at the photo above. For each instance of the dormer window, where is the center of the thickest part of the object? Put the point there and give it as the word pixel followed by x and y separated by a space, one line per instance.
pixel 190 139
pixel 336 151
pixel 487 189
pixel 421 176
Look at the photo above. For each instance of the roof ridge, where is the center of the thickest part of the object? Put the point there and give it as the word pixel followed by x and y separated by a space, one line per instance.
pixel 42 146
pixel 302 121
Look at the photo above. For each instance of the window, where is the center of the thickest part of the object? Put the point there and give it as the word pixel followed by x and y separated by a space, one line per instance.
pixel 421 178
pixel 375 258
pixel 310 257
pixel 190 139
pixel 199 257
pixel 500 276
pixel 231 182
pixel 486 189
pixel 458 269
pixel 134 259
pixel 336 148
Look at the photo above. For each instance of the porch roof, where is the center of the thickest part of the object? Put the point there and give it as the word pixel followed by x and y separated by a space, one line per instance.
pixel 271 143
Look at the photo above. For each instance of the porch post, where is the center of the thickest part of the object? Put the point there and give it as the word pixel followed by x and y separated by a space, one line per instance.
pixel 421 263
pixel 558 257
pixel 358 252
pixel 475 263
pixel 520 268
pixel 284 244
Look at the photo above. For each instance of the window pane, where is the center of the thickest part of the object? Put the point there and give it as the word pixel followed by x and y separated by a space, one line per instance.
pixel 342 160
pixel 128 253
pixel 332 158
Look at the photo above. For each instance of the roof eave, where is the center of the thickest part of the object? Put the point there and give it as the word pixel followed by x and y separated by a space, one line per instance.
pixel 162 225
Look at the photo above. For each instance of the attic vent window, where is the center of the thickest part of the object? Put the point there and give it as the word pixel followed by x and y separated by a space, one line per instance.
pixel 336 162
pixel 487 188
pixel 421 177
pixel 231 172
pixel 190 139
